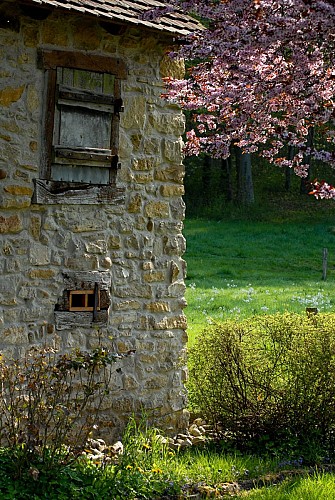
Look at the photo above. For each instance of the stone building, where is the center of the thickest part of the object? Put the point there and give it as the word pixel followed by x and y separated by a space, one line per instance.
pixel 91 185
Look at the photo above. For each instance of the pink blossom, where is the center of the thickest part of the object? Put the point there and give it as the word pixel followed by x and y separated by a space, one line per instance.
pixel 265 76
pixel 323 190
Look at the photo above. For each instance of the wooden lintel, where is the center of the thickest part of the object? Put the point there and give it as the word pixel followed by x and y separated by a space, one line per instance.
pixel 51 59
pixel 87 279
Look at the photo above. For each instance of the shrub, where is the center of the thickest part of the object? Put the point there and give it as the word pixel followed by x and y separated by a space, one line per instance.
pixel 268 381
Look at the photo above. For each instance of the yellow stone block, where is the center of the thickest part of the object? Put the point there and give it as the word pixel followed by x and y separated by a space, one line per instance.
pixel 143 178
pixel 12 224
pixel 14 335
pixel 135 204
pixel 114 242
pixel 23 58
pixel 157 209
pixel 54 33
pixel 134 115
pixel 171 173
pixel 126 305
pixel 30 35
pixel 35 227
pixel 172 67
pixel 33 99
pixel 86 37
pixel 41 273
pixel 144 164
pixel 33 146
pixel 5 137
pixel 8 95
pixel 172 323
pixel 11 202
pixel 19 190
pixel 158 307
pixel 154 276
pixel 171 190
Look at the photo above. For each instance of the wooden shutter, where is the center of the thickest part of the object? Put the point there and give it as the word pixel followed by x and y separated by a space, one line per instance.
pixel 85 107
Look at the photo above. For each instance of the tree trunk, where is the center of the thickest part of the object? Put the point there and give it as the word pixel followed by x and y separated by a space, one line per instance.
pixel 305 181
pixel 226 179
pixel 288 170
pixel 206 175
pixel 245 188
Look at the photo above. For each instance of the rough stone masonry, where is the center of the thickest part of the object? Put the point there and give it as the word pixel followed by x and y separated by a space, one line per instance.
pixel 130 247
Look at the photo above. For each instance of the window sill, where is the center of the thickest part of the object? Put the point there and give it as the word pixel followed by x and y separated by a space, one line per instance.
pixel 65 320
pixel 68 193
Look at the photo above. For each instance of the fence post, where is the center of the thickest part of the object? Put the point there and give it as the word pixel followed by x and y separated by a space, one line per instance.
pixel 324 264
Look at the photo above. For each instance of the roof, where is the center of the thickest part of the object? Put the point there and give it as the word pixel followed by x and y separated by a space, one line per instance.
pixel 126 11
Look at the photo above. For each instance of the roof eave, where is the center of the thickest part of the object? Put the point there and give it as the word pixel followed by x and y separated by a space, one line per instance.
pixel 171 32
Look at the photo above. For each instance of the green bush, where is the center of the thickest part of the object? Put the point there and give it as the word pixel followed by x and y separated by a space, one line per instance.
pixel 268 382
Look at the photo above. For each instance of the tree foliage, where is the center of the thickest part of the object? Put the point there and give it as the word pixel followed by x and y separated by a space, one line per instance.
pixel 264 76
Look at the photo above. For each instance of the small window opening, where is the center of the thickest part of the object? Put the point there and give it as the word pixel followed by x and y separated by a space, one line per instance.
pixel 83 300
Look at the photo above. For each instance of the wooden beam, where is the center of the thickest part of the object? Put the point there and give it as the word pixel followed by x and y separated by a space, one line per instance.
pixel 70 320
pixel 51 59
pixel 89 154
pixel 49 124
pixel 74 94
pixel 54 193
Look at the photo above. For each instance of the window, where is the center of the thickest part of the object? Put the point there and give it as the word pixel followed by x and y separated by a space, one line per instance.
pixel 84 300
pixel 80 154
pixel 82 149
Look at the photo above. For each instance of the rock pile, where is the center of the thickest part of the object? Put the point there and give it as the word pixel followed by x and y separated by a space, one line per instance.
pixel 198 433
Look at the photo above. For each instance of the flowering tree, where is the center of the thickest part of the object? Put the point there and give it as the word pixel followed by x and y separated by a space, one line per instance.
pixel 263 77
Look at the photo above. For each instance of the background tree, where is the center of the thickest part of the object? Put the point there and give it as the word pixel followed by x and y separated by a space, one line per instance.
pixel 245 187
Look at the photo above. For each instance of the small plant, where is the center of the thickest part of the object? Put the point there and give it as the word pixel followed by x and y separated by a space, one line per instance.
pixel 144 469
pixel 49 404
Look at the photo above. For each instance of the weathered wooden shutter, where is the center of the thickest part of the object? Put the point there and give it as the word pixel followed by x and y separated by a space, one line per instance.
pixel 85 107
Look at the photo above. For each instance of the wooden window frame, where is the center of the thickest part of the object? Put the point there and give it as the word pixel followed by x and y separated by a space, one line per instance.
pixel 49 191
pixel 86 294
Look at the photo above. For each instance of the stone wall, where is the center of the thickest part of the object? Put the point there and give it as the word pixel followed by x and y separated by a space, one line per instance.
pixel 138 243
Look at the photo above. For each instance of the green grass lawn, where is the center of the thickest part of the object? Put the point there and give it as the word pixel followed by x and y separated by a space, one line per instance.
pixel 242 268
pixel 246 265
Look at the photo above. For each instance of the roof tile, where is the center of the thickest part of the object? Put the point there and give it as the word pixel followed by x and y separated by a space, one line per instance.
pixel 129 11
